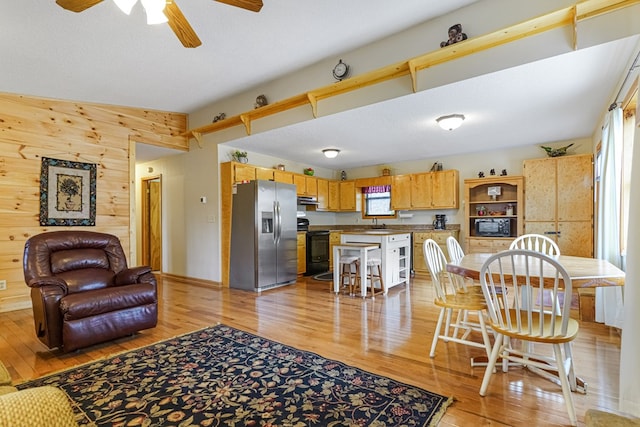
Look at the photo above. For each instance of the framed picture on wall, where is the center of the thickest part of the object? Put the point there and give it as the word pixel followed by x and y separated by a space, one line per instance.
pixel 67 193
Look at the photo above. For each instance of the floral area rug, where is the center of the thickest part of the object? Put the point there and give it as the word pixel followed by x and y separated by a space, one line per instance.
pixel 221 376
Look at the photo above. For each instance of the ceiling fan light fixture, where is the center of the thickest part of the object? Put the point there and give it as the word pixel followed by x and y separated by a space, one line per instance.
pixel 330 153
pixel 125 5
pixel 155 11
pixel 451 121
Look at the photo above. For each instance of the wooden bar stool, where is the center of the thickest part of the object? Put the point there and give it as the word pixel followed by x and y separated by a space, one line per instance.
pixel 374 274
pixel 347 272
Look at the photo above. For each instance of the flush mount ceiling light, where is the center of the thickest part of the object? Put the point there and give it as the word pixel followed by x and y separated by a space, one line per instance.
pixel 155 11
pixel 153 8
pixel 450 122
pixel 330 153
pixel 126 5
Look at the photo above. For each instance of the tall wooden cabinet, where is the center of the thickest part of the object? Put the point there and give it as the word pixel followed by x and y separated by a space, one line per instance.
pixel 480 204
pixel 559 201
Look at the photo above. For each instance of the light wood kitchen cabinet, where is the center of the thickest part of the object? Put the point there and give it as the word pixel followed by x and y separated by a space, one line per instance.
pixel 283 176
pixel 311 186
pixel 302 252
pixel 444 189
pixel 243 172
pixel 440 237
pixel 374 181
pixel 401 192
pixel 334 239
pixel 323 194
pixel 305 185
pixel 428 190
pixel 264 173
pixel 559 201
pixel 334 196
pixel 508 205
pixel 348 199
pixel 488 245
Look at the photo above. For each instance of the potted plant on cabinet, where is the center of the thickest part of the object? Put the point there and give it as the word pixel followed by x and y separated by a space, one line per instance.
pixel 240 156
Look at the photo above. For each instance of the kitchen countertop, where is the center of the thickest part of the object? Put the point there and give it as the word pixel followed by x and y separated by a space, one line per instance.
pixel 405 228
pixel 378 231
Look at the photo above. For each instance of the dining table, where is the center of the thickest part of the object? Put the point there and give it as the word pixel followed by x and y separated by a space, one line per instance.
pixel 584 272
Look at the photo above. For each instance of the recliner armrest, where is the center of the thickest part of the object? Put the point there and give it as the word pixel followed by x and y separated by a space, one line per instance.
pixel 38 282
pixel 131 275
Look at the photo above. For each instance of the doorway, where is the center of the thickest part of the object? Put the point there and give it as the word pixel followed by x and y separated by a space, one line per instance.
pixel 152 222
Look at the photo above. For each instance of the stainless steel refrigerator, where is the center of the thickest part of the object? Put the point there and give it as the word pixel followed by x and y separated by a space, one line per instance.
pixel 263 236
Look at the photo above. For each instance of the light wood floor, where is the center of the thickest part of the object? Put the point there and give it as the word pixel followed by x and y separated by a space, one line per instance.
pixel 390 336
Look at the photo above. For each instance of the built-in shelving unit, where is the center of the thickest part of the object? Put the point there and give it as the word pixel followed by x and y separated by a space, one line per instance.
pixel 498 198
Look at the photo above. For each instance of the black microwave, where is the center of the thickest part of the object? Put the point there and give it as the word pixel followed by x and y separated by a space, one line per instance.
pixel 493 227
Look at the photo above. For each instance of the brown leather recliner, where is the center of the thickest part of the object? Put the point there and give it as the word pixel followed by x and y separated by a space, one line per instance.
pixel 82 291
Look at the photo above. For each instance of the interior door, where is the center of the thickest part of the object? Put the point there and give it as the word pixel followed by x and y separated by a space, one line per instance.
pixel 152 222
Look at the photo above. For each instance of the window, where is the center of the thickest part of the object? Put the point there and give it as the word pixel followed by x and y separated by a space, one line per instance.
pixel 377 202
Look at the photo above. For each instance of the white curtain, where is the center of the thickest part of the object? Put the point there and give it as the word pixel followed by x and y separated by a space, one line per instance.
pixel 629 366
pixel 609 300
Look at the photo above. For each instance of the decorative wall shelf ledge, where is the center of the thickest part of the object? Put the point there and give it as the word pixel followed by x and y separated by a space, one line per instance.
pixel 568 16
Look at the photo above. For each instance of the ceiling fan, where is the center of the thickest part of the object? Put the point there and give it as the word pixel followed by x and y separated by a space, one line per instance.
pixel 176 19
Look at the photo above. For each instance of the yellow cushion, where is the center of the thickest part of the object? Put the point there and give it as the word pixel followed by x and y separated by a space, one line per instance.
pixel 38 406
pixel 5 378
pixel 595 418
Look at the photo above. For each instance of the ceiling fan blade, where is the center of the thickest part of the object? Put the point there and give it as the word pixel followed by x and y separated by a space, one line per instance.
pixel 77 5
pixel 180 25
pixel 252 5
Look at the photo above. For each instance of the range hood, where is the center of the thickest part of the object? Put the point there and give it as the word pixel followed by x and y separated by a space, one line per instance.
pixel 307 200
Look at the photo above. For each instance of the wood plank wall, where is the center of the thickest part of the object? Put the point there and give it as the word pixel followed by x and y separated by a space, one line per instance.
pixel 32 128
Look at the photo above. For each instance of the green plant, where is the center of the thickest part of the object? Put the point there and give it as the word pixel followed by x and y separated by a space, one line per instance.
pixel 237 155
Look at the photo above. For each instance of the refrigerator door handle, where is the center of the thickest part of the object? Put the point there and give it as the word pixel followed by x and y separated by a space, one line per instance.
pixel 276 222
pixel 279 226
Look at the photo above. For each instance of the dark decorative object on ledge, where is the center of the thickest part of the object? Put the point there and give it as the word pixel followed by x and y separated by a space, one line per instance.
pixel 67 193
pixel 219 117
pixel 455 35
pixel 492 172
pixel 503 173
pixel 556 152
pixel 261 101
pixel 480 174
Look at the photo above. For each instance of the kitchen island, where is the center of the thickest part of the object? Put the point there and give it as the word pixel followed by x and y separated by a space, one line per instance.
pixel 394 251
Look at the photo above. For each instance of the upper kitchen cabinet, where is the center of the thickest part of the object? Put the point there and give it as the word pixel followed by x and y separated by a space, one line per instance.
pixel 282 176
pixel 333 199
pixel 348 199
pixel 264 173
pixel 559 201
pixel 242 172
pixel 428 190
pixel 305 185
pixel 323 194
pixel 337 196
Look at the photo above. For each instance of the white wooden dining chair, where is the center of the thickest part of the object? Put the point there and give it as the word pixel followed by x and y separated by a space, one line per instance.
pixel 455 255
pixel 513 321
pixel 452 302
pixel 545 245
pixel 536 242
